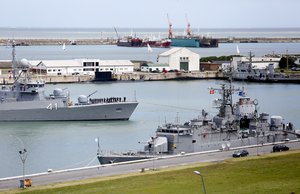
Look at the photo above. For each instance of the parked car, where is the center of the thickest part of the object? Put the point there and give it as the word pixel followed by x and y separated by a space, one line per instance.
pixel 240 153
pixel 280 147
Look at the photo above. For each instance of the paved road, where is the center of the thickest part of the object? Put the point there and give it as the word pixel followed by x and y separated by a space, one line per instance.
pixel 102 171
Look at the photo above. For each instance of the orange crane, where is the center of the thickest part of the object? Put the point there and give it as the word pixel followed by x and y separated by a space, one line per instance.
pixel 189 31
pixel 170 28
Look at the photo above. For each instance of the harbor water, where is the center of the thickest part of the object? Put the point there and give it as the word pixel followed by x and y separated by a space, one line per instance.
pixel 113 52
pixel 61 145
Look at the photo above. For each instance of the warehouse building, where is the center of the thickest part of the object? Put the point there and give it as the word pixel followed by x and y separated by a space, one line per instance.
pixel 83 66
pixel 181 59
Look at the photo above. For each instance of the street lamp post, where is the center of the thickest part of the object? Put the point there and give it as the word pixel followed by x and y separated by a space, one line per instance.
pixel 198 173
pixel 23 156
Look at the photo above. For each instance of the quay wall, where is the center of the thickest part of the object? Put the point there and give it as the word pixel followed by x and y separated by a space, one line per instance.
pixel 170 76
pixel 136 76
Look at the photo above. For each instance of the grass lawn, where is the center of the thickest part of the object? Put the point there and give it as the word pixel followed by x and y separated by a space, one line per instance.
pixel 274 173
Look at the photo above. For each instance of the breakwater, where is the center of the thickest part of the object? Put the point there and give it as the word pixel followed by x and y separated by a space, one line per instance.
pixel 109 41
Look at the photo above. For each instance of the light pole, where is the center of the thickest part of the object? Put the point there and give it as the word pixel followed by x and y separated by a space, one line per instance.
pixel 23 156
pixel 198 173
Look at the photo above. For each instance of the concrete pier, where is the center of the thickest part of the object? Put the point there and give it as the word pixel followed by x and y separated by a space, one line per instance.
pixel 136 76
pixel 141 76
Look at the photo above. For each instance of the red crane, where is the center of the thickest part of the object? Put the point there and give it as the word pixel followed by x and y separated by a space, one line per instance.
pixel 170 28
pixel 189 31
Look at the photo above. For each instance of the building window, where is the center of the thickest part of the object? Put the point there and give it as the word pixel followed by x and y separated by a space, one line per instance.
pixel 97 64
pixel 88 69
pixel 49 70
pixel 111 69
pixel 88 64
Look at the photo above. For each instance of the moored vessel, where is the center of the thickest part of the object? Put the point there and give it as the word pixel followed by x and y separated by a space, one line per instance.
pixel 236 125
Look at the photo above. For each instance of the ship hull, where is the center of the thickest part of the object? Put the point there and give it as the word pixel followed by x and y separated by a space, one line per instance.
pixel 185 42
pixel 118 159
pixel 270 80
pixel 194 42
pixel 158 44
pixel 219 141
pixel 108 111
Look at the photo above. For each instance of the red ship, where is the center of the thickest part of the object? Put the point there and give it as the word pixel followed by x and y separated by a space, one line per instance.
pixel 163 43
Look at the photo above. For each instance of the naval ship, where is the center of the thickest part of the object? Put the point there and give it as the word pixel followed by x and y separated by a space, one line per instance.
pixel 236 125
pixel 246 71
pixel 25 100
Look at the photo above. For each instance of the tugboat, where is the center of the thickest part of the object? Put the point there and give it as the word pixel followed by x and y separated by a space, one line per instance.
pixel 26 100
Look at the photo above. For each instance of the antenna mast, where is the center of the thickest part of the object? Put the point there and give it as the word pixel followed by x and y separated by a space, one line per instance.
pixel 117 33
pixel 13 59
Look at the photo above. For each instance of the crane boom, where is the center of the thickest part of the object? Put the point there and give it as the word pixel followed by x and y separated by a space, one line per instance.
pixel 189 31
pixel 170 28
pixel 117 33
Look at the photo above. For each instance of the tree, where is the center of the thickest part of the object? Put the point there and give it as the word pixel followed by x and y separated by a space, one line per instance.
pixel 283 62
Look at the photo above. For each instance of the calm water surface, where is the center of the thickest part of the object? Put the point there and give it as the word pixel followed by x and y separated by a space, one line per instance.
pixel 113 52
pixel 60 145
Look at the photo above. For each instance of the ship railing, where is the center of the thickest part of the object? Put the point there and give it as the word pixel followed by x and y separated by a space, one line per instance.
pixel 107 100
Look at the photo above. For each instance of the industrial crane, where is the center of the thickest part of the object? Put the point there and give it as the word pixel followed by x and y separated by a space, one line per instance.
pixel 189 31
pixel 170 28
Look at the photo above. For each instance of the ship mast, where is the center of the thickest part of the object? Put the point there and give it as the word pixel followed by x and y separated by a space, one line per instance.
pixel 170 28
pixel 13 63
pixel 226 91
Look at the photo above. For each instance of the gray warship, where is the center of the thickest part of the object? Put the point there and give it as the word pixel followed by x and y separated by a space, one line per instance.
pixel 246 71
pixel 236 125
pixel 25 100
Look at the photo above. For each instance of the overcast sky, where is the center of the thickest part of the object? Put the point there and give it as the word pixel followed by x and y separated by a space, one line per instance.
pixel 150 13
